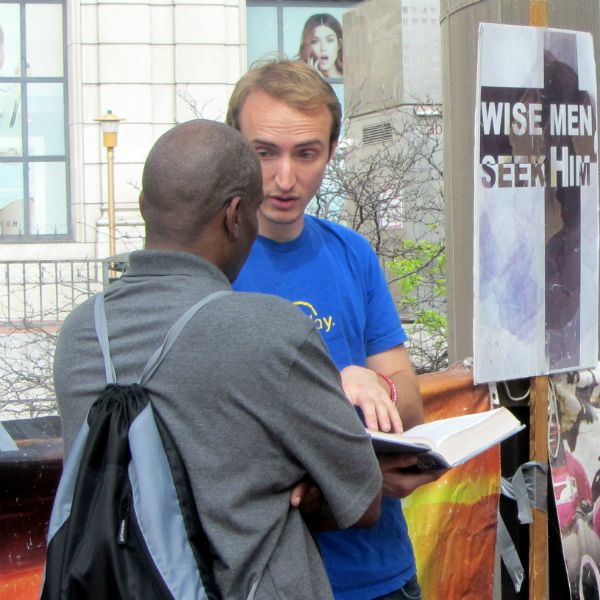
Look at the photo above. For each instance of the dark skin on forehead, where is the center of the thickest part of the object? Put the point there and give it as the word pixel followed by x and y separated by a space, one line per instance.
pixel 190 177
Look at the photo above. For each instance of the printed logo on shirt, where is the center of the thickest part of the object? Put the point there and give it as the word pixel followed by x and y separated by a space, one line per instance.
pixel 324 323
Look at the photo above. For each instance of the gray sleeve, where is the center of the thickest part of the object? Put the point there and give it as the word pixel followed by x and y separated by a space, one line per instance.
pixel 76 380
pixel 324 433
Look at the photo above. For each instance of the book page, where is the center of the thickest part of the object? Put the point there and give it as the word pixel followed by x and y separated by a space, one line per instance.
pixel 438 431
pixel 456 439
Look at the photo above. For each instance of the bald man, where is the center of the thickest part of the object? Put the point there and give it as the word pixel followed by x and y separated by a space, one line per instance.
pixel 247 391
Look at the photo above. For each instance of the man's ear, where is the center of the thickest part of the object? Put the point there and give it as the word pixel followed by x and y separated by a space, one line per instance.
pixel 232 217
pixel 141 203
pixel 332 150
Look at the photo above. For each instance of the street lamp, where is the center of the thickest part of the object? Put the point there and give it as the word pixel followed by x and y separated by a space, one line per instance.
pixel 110 125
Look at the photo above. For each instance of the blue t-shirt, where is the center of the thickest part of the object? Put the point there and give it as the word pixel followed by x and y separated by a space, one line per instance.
pixel 332 274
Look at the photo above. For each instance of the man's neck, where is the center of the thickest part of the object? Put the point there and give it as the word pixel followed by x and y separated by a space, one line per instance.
pixel 280 232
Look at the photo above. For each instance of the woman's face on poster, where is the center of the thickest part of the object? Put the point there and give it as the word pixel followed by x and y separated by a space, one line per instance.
pixel 325 47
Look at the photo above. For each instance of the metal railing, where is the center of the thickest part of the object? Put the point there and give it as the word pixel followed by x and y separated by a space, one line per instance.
pixel 35 297
pixel 46 290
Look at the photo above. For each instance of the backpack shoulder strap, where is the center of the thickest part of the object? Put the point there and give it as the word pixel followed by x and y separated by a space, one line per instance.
pixel 160 353
pixel 102 335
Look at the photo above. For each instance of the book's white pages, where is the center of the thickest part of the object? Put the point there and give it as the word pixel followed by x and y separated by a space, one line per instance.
pixel 448 442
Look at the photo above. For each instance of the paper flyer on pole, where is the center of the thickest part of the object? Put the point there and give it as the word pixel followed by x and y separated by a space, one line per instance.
pixel 535 202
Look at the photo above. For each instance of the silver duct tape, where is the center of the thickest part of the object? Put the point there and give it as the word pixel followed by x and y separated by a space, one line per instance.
pixel 529 488
pixel 509 555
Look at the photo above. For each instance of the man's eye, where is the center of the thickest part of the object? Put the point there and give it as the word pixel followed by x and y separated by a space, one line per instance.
pixel 308 155
pixel 263 153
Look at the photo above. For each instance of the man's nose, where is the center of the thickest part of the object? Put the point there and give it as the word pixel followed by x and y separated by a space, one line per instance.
pixel 286 174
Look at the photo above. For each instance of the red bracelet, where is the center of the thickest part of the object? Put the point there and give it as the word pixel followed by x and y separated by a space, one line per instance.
pixel 393 391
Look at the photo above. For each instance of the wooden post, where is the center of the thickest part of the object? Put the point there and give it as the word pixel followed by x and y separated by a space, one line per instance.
pixel 538 451
pixel 538 426
pixel 538 13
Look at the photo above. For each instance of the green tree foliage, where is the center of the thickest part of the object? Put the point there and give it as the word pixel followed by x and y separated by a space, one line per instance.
pixel 420 270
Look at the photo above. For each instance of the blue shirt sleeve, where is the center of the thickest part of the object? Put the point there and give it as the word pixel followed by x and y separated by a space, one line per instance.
pixel 384 329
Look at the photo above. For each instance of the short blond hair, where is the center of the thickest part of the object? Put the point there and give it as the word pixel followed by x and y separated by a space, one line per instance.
pixel 292 81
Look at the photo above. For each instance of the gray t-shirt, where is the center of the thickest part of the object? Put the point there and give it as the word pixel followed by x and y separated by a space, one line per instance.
pixel 254 404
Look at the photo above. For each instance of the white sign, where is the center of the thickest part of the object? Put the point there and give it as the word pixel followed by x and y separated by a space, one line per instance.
pixel 536 203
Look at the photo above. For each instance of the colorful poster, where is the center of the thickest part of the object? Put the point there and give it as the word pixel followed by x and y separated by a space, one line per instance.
pixel 452 521
pixel 574 431
pixel 29 476
pixel 535 202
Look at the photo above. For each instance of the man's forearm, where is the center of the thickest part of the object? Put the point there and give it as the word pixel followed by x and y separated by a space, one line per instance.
pixel 397 366
pixel 409 403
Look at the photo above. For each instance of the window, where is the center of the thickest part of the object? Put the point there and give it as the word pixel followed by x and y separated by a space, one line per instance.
pixel 308 30
pixel 33 135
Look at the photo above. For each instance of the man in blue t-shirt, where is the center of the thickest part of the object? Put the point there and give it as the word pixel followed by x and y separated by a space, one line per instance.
pixel 292 117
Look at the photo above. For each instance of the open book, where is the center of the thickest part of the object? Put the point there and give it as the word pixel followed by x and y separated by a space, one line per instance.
pixel 449 442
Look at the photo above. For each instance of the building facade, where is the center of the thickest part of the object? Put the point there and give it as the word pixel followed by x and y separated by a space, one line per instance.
pixel 66 63
pixel 153 63
pixel 63 63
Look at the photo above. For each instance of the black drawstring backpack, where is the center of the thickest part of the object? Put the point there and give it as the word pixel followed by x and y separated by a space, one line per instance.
pixel 124 522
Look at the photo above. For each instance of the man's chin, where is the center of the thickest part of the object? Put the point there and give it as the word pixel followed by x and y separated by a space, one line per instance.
pixel 281 217
pixel 285 224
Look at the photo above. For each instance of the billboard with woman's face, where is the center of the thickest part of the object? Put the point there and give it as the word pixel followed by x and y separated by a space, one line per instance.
pixel 321 45
pixel 310 33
